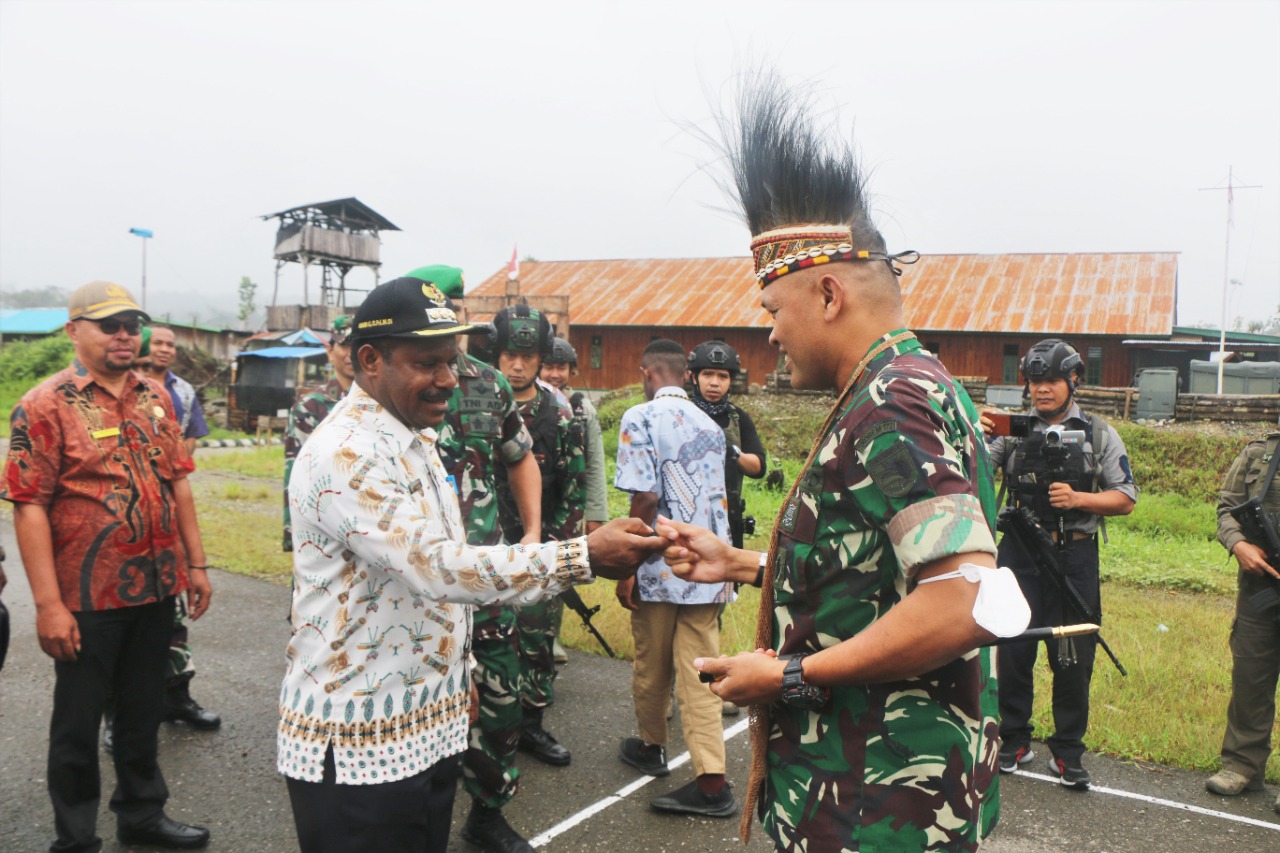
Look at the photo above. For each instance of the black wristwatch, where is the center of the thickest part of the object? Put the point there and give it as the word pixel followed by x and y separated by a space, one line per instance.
pixel 797 694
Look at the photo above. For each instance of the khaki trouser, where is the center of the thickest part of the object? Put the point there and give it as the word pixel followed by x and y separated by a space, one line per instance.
pixel 668 637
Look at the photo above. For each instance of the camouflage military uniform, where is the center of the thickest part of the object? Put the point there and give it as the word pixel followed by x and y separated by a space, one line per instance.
pixel 902 479
pixel 1255 636
pixel 483 428
pixel 559 450
pixel 312 407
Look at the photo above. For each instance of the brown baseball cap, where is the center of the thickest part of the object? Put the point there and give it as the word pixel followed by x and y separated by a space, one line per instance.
pixel 99 299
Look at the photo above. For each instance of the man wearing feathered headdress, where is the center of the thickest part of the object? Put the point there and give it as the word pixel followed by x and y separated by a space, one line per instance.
pixel 873 708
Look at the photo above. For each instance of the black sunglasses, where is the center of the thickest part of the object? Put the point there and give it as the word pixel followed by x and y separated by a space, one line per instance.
pixel 111 326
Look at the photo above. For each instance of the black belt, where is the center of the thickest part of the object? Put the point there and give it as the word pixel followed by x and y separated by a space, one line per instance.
pixel 1072 536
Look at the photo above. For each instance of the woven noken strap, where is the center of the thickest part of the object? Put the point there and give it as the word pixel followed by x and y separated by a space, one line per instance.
pixel 759 714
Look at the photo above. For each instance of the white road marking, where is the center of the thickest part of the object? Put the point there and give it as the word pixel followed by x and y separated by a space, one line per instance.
pixel 624 792
pixel 741 726
pixel 1172 804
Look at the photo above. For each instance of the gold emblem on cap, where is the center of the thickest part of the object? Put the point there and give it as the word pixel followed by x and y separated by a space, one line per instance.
pixel 432 292
pixel 116 291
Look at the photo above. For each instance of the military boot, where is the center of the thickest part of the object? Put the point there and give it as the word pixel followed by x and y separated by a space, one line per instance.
pixel 487 829
pixel 538 742
pixel 179 707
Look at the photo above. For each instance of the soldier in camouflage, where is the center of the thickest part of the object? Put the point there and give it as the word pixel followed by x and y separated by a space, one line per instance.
pixel 482 429
pixel 874 710
pixel 1255 631
pixel 314 406
pixel 522 340
pixel 558 370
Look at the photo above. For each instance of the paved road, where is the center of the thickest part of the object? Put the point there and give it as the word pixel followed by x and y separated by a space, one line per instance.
pixel 227 781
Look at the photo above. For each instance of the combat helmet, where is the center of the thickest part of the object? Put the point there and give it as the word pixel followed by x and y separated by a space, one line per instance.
pixel 519 328
pixel 562 352
pixel 1053 359
pixel 714 355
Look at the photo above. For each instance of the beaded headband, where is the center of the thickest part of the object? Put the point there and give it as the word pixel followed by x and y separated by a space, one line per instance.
pixel 785 250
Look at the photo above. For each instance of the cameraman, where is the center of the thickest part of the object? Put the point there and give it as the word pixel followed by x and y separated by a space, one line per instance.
pixel 1255 635
pixel 1068 481
pixel 713 365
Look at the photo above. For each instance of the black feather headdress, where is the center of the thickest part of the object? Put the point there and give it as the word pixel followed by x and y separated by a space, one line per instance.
pixel 799 187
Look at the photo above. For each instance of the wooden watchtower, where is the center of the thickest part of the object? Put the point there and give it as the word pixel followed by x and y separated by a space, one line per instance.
pixel 336 236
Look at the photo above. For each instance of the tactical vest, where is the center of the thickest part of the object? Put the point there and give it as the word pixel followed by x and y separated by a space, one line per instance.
pixel 1028 480
pixel 733 429
pixel 578 425
pixel 1255 472
pixel 544 429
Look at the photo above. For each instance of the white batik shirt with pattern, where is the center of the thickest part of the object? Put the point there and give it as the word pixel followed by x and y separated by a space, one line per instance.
pixel 382 580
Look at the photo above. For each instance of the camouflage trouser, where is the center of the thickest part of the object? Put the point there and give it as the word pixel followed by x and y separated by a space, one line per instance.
pixel 536 626
pixel 489 771
pixel 179 670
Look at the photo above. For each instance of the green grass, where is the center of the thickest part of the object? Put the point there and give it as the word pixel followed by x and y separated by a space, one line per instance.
pixel 240 524
pixel 1161 567
pixel 221 433
pixel 267 462
pixel 11 392
pixel 1172 707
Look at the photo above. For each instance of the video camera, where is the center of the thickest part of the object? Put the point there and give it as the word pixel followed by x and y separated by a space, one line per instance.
pixel 1055 449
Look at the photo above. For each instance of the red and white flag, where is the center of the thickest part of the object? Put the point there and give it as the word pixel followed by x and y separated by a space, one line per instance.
pixel 513 268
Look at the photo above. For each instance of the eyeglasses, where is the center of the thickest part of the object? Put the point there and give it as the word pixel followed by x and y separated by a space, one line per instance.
pixel 111 326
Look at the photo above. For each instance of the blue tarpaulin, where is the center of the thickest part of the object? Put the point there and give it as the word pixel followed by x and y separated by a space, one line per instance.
pixel 283 352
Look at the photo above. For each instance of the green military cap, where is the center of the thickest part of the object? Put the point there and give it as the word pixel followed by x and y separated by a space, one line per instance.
pixel 448 279
pixel 341 329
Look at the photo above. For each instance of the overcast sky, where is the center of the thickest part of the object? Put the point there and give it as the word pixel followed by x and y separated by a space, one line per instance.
pixel 988 127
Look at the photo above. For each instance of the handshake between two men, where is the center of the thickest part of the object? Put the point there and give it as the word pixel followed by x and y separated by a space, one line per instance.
pixel 934 624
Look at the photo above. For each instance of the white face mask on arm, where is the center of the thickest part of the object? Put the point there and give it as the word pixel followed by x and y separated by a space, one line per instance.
pixel 1000 607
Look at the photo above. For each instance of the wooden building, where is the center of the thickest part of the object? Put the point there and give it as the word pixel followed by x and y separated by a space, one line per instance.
pixel 979 313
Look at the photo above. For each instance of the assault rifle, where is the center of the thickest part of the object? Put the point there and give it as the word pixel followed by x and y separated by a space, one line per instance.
pixel 1035 542
pixel 574 602
pixel 1260 528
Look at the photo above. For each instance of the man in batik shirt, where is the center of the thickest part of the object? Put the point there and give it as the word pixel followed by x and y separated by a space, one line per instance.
pixel 373 708
pixel 105 521
pixel 671 462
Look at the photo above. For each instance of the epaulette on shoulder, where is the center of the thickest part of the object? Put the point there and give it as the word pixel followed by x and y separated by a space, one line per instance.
pixel 1259 445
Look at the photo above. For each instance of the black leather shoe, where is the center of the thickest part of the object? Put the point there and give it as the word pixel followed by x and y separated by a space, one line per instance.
pixel 691 800
pixel 181 708
pixel 539 743
pixel 165 832
pixel 109 734
pixel 487 829
pixel 643 757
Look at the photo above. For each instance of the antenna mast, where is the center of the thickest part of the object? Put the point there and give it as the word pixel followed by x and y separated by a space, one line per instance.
pixel 1226 267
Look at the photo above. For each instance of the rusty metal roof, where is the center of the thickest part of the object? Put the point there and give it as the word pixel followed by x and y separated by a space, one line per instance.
pixel 1071 294
pixel 646 292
